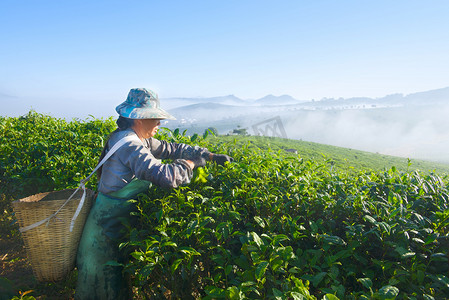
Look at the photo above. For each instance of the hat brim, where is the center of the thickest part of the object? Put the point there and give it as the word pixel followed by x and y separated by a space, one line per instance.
pixel 127 111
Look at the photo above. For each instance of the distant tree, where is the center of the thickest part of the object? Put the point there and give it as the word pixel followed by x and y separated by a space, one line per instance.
pixel 241 131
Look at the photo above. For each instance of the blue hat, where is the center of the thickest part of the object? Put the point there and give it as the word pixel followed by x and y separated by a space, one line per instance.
pixel 142 104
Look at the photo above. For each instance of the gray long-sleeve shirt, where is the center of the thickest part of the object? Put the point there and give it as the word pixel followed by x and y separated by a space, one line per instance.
pixel 142 160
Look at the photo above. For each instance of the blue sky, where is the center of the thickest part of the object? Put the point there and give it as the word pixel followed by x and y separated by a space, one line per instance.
pixel 98 50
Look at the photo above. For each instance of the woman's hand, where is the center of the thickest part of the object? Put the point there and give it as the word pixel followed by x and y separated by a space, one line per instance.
pixel 200 161
pixel 221 159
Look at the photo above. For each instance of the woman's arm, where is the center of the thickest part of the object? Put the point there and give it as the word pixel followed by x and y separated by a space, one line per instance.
pixel 166 150
pixel 146 166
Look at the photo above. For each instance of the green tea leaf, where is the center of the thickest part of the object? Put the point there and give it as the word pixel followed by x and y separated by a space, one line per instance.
pixel 333 239
pixel 257 239
pixel 175 265
pixel 330 297
pixel 215 292
pixel 234 293
pixel 277 294
pixel 260 269
pixel 366 282
pixel 169 244
pixel 279 238
pixel 259 221
pixel 388 292
pixel 439 257
pixel 296 296
pixel 318 278
pixel 370 219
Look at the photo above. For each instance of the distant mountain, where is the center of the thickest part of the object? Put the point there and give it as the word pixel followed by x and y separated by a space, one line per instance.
pixel 269 100
pixel 170 103
pixel 429 97
pixel 206 111
pixel 225 107
pixel 432 97
pixel 277 100
pixel 228 100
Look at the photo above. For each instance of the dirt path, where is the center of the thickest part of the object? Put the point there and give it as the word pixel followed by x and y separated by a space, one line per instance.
pixel 16 276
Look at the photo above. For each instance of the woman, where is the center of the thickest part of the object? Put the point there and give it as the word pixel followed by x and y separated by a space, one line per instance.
pixel 127 172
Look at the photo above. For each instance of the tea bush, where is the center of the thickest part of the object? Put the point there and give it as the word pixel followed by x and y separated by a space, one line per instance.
pixel 270 225
pixel 39 153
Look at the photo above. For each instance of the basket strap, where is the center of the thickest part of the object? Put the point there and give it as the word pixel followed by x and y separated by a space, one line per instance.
pixel 82 186
pixel 105 158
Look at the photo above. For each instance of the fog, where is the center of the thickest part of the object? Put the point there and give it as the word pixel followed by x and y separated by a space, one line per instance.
pixel 406 132
pixel 411 131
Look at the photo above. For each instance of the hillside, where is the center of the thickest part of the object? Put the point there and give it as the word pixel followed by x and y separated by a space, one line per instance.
pixel 345 159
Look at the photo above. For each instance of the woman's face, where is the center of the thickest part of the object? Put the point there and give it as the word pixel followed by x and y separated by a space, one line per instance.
pixel 146 128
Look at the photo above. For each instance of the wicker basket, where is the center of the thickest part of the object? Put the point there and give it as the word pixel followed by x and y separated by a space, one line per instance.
pixel 51 247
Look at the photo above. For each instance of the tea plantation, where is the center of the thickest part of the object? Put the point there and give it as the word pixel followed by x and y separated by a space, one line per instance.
pixel 326 223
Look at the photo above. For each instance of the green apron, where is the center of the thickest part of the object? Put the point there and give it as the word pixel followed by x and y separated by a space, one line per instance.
pixel 102 234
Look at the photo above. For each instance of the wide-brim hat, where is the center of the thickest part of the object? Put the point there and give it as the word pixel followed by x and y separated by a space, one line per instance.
pixel 142 104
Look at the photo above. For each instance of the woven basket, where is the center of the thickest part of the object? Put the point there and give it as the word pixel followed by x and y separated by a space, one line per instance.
pixel 51 247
